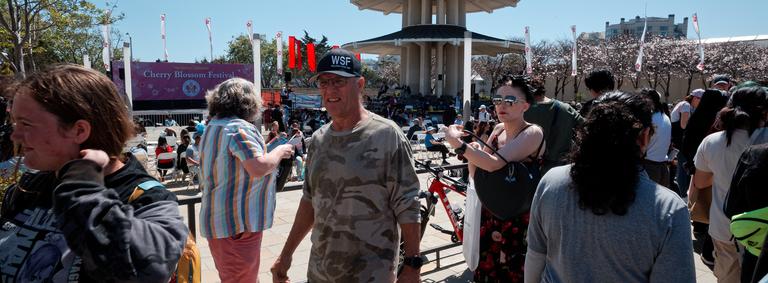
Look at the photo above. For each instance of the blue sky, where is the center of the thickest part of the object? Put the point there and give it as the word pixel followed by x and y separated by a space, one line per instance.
pixel 342 22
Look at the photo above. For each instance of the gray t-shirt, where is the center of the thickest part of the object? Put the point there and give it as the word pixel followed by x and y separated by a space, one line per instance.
pixel 651 243
pixel 361 184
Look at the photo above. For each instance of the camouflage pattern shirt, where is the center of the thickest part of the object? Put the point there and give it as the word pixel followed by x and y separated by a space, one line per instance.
pixel 361 184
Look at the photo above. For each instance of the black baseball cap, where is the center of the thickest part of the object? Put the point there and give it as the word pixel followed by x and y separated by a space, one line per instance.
pixel 721 79
pixel 339 62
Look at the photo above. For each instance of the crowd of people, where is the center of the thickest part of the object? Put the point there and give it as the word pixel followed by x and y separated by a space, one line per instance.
pixel 624 182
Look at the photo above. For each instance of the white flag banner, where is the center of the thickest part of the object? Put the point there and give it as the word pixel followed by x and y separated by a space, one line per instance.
pixel 574 68
pixel 162 36
pixel 528 53
pixel 700 66
pixel 279 47
pixel 210 35
pixel 249 27
pixel 639 62
pixel 105 58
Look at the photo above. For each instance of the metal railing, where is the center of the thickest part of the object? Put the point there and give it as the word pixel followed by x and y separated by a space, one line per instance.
pixel 153 118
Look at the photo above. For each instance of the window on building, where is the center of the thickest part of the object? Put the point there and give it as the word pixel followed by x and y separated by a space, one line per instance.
pixel 663 33
pixel 663 28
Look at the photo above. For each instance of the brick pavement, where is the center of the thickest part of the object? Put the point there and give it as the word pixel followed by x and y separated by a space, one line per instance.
pixel 452 266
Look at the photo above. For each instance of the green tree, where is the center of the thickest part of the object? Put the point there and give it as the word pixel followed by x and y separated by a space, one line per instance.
pixel 40 32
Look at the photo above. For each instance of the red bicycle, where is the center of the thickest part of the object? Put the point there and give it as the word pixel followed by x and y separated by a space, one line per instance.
pixel 439 186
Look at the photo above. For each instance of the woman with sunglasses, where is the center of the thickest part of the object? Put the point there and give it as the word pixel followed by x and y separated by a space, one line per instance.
pixel 502 242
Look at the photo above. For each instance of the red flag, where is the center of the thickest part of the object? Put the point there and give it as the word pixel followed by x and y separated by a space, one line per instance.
pixel 291 52
pixel 298 55
pixel 357 55
pixel 311 63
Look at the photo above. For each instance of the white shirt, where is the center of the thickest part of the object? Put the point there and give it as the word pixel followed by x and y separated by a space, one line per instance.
pixel 714 156
pixel 484 116
pixel 662 137
pixel 682 107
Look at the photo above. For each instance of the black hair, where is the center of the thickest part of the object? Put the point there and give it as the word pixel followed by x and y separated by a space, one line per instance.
pixel 161 141
pixel 745 110
pixel 523 83
pixel 700 123
pixel 600 81
pixel 607 160
pixel 655 98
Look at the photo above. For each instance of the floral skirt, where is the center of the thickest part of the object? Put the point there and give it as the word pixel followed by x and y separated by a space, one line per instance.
pixel 502 248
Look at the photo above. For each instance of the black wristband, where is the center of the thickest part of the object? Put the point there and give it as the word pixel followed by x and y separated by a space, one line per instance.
pixel 461 149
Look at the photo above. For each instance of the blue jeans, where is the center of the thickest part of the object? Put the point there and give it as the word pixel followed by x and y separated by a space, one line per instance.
pixel 682 178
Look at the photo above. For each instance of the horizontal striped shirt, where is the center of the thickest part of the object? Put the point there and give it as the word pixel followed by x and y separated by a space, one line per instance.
pixel 233 202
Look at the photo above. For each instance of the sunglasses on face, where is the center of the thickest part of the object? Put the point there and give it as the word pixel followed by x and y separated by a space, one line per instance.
pixel 507 100
pixel 335 82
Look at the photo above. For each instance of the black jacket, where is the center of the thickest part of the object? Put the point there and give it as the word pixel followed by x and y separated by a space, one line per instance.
pixel 85 230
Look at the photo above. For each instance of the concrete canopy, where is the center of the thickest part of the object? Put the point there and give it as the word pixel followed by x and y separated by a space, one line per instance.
pixel 390 44
pixel 396 6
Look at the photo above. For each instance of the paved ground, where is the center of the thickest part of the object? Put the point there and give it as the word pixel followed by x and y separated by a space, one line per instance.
pixel 452 267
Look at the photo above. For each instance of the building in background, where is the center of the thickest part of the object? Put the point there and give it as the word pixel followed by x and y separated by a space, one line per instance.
pixel 656 26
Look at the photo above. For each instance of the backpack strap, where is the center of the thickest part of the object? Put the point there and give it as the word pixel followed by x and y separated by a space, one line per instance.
pixel 495 151
pixel 144 186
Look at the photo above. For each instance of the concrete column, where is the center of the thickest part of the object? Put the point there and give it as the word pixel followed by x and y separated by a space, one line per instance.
pixel 463 13
pixel 452 14
pixel 405 13
pixel 440 68
pixel 414 12
pixel 426 12
pixel 403 65
pixel 425 68
pixel 414 60
pixel 441 12
pixel 451 70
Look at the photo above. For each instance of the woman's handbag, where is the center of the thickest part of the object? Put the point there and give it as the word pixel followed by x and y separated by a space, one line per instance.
pixel 699 202
pixel 508 192
pixel 472 212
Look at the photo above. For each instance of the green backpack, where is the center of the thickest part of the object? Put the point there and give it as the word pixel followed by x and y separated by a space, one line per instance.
pixel 750 229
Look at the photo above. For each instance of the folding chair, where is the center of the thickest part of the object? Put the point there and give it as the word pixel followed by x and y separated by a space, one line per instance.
pixel 165 156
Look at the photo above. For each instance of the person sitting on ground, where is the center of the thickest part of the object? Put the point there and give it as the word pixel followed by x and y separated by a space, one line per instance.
pixel 163 164
pixel 170 122
pixel 435 145
pixel 90 213
pixel 601 219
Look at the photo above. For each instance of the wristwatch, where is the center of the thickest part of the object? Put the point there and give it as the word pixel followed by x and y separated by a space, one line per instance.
pixel 414 261
pixel 461 149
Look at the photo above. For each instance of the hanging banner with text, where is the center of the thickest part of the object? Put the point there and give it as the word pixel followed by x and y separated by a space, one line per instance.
pixel 178 81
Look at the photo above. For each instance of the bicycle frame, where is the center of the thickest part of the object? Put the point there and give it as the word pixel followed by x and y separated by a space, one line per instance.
pixel 438 191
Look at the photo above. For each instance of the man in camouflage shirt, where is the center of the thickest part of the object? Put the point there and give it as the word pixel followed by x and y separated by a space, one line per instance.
pixel 360 186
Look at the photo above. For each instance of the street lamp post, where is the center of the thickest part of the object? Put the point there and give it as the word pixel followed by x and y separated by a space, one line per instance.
pixel 130 42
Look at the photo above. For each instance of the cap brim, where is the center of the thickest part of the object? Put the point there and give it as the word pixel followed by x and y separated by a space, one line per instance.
pixel 338 73
pixel 721 82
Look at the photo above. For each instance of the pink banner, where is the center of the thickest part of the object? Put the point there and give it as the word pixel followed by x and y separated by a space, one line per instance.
pixel 177 81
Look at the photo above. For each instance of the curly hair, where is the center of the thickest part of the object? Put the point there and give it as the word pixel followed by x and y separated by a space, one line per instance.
pixel 745 110
pixel 606 157
pixel 235 97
